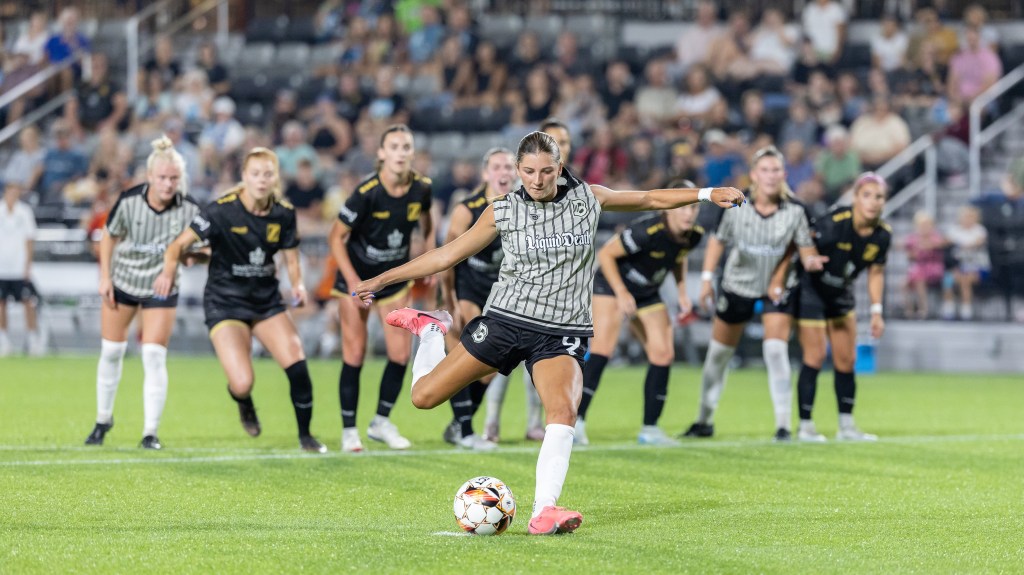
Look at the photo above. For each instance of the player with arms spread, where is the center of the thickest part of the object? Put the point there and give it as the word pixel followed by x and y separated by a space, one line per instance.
pixel 540 309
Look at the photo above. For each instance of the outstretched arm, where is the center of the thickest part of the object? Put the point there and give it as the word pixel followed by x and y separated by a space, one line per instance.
pixel 445 257
pixel 665 199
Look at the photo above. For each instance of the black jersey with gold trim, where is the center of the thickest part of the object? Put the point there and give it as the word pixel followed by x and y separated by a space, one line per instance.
pixel 848 252
pixel 243 245
pixel 486 263
pixel 652 252
pixel 381 223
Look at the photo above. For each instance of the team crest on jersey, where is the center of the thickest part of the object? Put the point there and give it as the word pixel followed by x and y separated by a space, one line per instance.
pixel 480 333
pixel 413 212
pixel 870 252
pixel 257 257
pixel 723 304
pixel 579 208
pixel 273 233
pixel 395 239
pixel 202 223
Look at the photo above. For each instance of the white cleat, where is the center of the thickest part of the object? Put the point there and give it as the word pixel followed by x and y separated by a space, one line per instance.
pixel 653 435
pixel 477 443
pixel 381 429
pixel 808 433
pixel 854 434
pixel 580 435
pixel 350 442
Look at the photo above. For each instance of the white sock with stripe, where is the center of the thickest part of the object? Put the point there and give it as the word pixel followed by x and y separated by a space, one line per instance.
pixel 552 465
pixel 154 385
pixel 108 376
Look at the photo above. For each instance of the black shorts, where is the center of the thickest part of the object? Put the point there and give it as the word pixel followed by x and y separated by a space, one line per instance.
pixel 813 306
pixel 393 291
pixel 504 345
pixel 474 287
pixel 128 299
pixel 217 310
pixel 732 308
pixel 18 290
pixel 644 297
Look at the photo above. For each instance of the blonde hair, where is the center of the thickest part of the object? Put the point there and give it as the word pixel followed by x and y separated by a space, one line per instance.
pixel 163 149
pixel 785 192
pixel 264 154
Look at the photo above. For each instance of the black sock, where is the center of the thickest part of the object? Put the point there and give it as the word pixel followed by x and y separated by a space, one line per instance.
pixel 655 390
pixel 348 392
pixel 806 389
pixel 301 388
pixel 477 389
pixel 247 400
pixel 592 371
pixel 390 387
pixel 462 409
pixel 846 390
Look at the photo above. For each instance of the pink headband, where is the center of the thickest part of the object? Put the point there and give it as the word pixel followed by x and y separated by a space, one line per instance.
pixel 870 178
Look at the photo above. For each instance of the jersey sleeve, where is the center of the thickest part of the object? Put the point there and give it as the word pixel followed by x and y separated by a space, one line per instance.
pixel 802 233
pixel 290 233
pixel 725 229
pixel 428 195
pixel 883 250
pixel 203 225
pixel 117 224
pixel 354 211
pixel 635 238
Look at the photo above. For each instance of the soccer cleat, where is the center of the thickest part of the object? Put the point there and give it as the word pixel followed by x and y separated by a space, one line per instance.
pixel 150 442
pixel 350 442
pixel 309 444
pixel 782 435
pixel 492 432
pixel 419 321
pixel 853 434
pixel 99 432
pixel 247 415
pixel 699 430
pixel 453 433
pixel 381 429
pixel 476 443
pixel 580 435
pixel 653 435
pixel 553 520
pixel 535 434
pixel 807 432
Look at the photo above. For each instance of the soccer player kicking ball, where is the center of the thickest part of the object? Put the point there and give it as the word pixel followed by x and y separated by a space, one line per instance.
pixel 540 309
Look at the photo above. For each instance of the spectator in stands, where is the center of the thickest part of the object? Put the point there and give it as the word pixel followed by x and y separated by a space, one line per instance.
pixel 753 119
pixel 285 110
pixel 66 44
pixel 25 165
pixel 100 100
pixel 224 135
pixel 799 125
pixel 932 31
pixel 969 242
pixel 729 57
pixel 569 62
pixel 349 97
pixel 331 134
pixel 18 229
pixel 799 164
pixel 694 43
pixel 32 42
pixel 461 180
pixel 774 44
pixel 952 142
pixel 294 149
pixel 525 57
pixel 976 17
pixel 193 102
pixel 110 156
pixel 362 159
pixel 460 25
pixel 825 24
pixel 924 248
pixel 163 63
pixel 645 168
pixel 821 98
pixel 618 87
pixel 602 160
pixel 851 99
pixel 879 136
pixel 216 74
pixel 540 96
pixel 656 99
pixel 386 46
pixel 354 47
pixel 836 165
pixel 579 106
pixel 1002 214
pixel 722 164
pixel 812 195
pixel 427 38
pixel 889 45
pixel 199 188
pixel 154 105
pixel 972 70
pixel 491 75
pixel 695 103
pixel 807 62
pixel 453 68
pixel 306 193
pixel 386 105
pixel 61 165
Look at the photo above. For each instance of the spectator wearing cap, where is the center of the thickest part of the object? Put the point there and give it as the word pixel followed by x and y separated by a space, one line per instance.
pixel 61 165
pixel 224 135
pixel 836 165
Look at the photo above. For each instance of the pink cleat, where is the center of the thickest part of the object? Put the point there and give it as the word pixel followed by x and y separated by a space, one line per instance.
pixel 553 520
pixel 418 321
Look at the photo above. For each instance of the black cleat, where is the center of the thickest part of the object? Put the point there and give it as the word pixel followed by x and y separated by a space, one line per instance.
pixel 699 430
pixel 250 423
pixel 309 444
pixel 782 435
pixel 452 433
pixel 98 432
pixel 150 442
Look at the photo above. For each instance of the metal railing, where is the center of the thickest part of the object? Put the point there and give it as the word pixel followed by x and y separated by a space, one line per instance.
pixel 926 184
pixel 29 84
pixel 978 136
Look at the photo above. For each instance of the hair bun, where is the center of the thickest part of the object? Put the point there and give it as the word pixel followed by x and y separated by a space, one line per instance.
pixel 162 144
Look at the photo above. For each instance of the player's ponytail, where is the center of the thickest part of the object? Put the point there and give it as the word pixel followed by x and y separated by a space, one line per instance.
pixel 163 150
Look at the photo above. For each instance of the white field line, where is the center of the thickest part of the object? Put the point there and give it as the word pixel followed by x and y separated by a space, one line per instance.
pixel 216 455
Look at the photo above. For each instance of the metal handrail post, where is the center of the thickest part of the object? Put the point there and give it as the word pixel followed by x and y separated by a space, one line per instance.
pixel 974 115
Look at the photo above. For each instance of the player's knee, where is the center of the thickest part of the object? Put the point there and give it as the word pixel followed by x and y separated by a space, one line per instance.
pixel 240 385
pixel 660 354
pixel 423 397
pixel 400 357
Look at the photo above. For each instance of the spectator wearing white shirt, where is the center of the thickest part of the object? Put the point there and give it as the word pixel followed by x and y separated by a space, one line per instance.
pixel 26 164
pixel 18 230
pixel 969 242
pixel 700 96
pixel 773 47
pixel 32 42
pixel 889 47
pixel 825 24
pixel 694 43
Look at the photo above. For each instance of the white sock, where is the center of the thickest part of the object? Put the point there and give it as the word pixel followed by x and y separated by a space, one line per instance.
pixel 429 354
pixel 534 415
pixel 495 398
pixel 154 385
pixel 780 384
pixel 552 465
pixel 846 421
pixel 108 375
pixel 713 379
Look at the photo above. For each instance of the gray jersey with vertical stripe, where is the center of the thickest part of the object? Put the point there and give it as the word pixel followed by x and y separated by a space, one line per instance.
pixel 144 235
pixel 758 243
pixel 546 282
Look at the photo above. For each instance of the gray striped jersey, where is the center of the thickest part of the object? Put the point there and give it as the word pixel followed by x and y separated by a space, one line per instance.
pixel 144 235
pixel 758 243
pixel 546 282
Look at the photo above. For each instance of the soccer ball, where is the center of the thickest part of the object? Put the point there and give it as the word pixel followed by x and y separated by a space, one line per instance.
pixel 484 506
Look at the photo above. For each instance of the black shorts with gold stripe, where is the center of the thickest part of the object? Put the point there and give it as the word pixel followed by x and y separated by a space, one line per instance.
pixel 218 311
pixel 816 305
pixel 645 297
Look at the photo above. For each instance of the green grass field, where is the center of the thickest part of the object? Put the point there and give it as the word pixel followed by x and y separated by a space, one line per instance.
pixel 940 493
